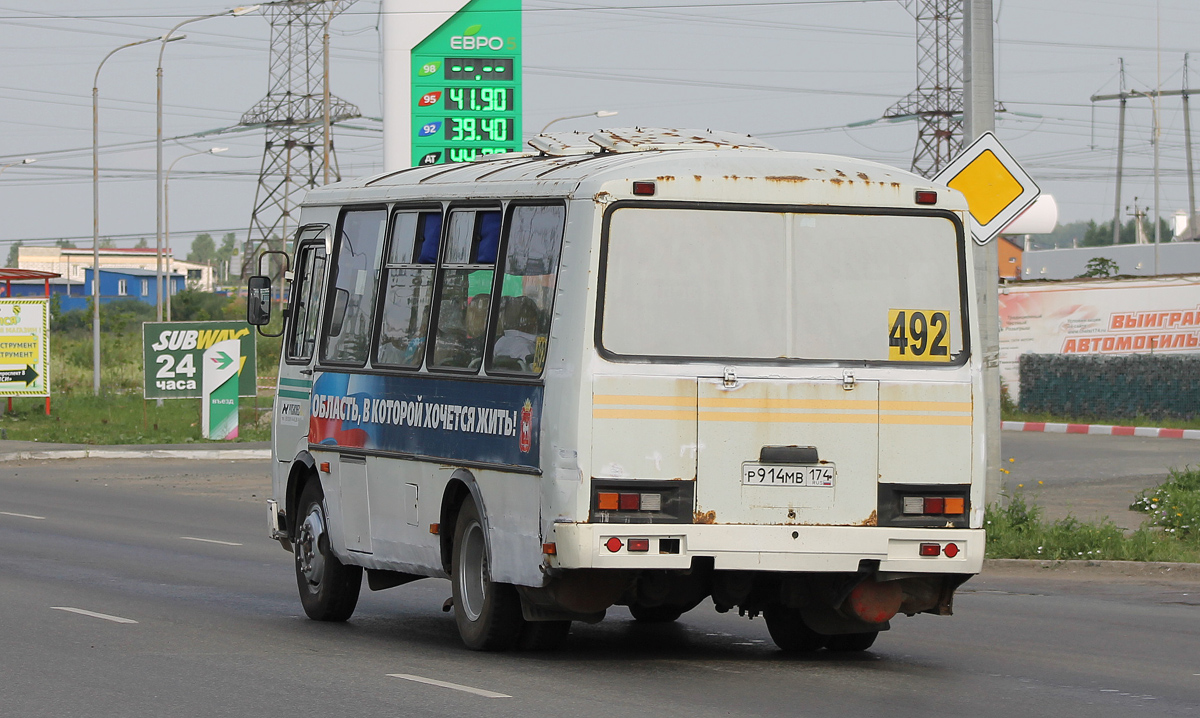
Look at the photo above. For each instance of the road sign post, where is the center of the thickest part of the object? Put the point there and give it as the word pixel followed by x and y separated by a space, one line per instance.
pixel 997 191
pixel 219 390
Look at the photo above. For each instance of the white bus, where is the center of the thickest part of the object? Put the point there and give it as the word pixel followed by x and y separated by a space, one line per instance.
pixel 641 368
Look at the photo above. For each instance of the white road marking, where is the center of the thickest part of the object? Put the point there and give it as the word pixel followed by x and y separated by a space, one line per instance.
pixel 23 516
pixel 223 543
pixel 452 686
pixel 93 614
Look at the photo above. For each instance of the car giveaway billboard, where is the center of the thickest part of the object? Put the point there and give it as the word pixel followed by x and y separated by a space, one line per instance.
pixel 1109 316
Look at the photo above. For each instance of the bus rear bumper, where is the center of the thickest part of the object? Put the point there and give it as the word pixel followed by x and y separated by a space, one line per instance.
pixel 767 548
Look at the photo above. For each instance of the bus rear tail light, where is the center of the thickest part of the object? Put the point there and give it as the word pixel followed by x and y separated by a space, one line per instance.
pixel 934 505
pixel 639 545
pixel 613 544
pixel 931 549
pixel 926 196
pixel 637 501
pixel 951 550
pixel 643 189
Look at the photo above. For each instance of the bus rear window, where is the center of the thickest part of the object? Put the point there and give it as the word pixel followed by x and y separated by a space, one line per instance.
pixel 722 284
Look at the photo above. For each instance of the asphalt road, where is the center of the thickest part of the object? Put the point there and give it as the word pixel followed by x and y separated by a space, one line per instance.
pixel 219 630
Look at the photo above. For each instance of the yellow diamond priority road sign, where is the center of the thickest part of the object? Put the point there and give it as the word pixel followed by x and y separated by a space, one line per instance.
pixel 996 188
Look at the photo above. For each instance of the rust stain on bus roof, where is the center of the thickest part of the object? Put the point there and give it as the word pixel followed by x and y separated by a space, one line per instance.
pixel 786 178
pixel 697 177
pixel 665 178
pixel 704 517
pixel 863 176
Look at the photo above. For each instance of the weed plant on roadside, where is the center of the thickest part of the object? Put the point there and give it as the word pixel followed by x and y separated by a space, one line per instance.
pixel 1018 530
pixel 1174 505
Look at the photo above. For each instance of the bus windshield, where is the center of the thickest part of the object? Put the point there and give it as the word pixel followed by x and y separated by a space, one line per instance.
pixel 758 285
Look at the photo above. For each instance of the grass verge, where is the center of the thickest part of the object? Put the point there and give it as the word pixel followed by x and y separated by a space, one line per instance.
pixel 123 419
pixel 1019 530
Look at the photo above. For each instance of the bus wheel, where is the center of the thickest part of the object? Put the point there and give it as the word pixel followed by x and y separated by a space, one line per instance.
pixel 488 614
pixel 328 588
pixel 655 614
pixel 790 632
pixel 544 635
pixel 852 641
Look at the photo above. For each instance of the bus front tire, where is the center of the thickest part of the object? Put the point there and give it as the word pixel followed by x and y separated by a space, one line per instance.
pixel 790 632
pixel 488 614
pixel 328 588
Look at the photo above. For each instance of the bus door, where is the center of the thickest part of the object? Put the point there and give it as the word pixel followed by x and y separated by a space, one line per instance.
pixel 293 398
pixel 781 451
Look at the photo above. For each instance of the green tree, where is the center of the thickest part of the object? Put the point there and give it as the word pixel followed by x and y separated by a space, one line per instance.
pixel 13 252
pixel 107 243
pixel 204 249
pixel 1100 267
pixel 141 244
pixel 64 243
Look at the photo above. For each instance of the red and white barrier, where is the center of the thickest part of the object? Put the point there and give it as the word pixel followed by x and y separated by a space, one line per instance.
pixel 1101 429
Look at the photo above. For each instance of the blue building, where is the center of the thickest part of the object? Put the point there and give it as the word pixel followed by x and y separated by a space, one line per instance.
pixel 115 284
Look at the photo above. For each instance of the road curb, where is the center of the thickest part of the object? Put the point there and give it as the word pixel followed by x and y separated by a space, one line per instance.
pixel 1139 565
pixel 190 454
pixel 1100 429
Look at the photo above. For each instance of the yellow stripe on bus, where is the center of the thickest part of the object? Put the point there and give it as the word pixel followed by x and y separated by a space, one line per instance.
pixel 925 405
pixel 720 402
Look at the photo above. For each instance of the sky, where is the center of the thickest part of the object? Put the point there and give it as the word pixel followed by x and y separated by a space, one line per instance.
pixel 801 75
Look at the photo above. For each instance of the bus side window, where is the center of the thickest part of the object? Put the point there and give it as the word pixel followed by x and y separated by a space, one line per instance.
pixel 527 290
pixel 306 302
pixel 356 274
pixel 408 291
pixel 468 267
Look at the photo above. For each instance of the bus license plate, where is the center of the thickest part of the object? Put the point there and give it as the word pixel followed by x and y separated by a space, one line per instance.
pixel 754 474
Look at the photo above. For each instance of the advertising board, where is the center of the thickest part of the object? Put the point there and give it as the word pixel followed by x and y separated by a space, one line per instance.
pixel 24 347
pixel 466 85
pixel 172 354
pixel 1097 316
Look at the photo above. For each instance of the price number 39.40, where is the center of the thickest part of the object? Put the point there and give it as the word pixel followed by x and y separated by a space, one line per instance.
pixel 918 335
pixel 167 377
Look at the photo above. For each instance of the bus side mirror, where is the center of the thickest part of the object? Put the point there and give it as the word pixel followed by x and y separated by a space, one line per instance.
pixel 258 301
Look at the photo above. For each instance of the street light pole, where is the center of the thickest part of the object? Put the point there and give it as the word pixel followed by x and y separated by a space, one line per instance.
pixel 96 206
pixel 325 95
pixel 158 146
pixel 597 113
pixel 167 214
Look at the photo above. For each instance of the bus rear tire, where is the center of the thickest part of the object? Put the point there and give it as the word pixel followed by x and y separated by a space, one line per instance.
pixel 847 642
pixel 328 588
pixel 488 614
pixel 790 632
pixel 655 614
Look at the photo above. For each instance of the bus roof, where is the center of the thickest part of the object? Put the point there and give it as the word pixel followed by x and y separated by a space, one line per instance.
pixel 685 168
